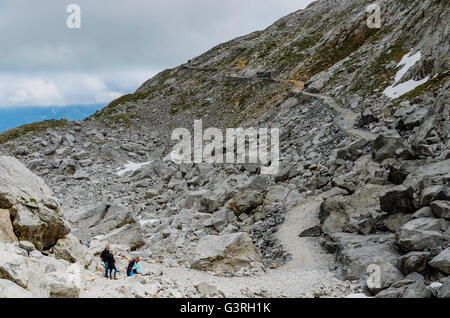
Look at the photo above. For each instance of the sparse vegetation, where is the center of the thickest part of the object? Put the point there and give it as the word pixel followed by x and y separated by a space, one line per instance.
pixel 32 128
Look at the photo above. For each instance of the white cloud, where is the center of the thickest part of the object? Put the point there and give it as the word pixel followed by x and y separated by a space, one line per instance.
pixel 119 46
pixel 64 88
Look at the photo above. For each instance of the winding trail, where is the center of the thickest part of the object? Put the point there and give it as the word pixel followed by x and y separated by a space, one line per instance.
pixel 346 119
pixel 308 274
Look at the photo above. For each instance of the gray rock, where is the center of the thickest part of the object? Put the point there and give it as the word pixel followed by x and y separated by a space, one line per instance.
pixel 315 231
pixel 441 209
pixel 423 213
pixel 201 201
pixel 357 252
pixel 444 291
pixel 27 246
pixel 395 221
pixel 246 203
pixel 21 151
pixel 14 267
pixel 442 261
pixel 421 234
pixel 434 193
pixel 385 147
pixel 36 213
pixel 350 213
pixel 413 262
pixel 353 151
pixel 220 220
pixel 413 286
pixel 10 290
pixel 397 199
pixel 227 253
pixel 70 249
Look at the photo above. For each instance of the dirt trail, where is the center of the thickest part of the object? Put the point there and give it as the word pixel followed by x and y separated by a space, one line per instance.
pixel 307 255
pixel 346 119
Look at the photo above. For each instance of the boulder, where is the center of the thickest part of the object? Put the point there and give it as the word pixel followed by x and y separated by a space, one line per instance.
pixel 434 193
pixel 220 219
pixel 413 286
pixel 444 291
pixel 441 209
pixel 413 262
pixel 421 234
pixel 429 175
pixel 35 211
pixel 70 249
pixel 356 252
pixel 442 261
pixel 381 276
pixel 351 213
pixel 129 235
pixel 397 199
pixel 395 221
pixel 353 151
pixel 246 203
pixel 65 285
pixel 10 290
pixel 227 253
pixel 14 267
pixel 27 246
pixel 99 219
pixel 385 147
pixel 6 229
pixel 423 213
pixel 400 169
pixel 366 117
pixel 201 201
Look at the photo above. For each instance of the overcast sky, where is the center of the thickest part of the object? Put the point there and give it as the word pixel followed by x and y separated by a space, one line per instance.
pixel 120 43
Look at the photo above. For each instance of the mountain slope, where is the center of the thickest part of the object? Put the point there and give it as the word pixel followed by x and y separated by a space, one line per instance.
pixel 376 164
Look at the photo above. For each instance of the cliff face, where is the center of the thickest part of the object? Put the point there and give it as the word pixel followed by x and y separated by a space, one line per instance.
pixel 364 118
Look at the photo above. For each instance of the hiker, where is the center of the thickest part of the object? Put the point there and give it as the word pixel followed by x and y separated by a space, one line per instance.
pixel 111 264
pixel 131 263
pixel 137 268
pixel 103 257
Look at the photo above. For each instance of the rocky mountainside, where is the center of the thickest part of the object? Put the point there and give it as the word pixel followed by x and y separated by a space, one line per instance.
pixel 361 199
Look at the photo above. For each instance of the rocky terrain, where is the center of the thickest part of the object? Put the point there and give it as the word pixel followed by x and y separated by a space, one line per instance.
pixel 360 204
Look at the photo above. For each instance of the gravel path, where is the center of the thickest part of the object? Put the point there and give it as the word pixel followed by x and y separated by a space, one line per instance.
pixel 306 252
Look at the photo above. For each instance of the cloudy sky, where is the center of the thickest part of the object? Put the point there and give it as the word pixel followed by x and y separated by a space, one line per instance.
pixel 120 43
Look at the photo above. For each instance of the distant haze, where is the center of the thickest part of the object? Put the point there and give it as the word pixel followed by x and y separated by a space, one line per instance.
pixel 119 46
pixel 11 117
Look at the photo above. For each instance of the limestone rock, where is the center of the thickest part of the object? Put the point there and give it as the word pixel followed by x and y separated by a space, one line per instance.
pixel 6 229
pixel 229 252
pixel 442 261
pixel 36 213
pixel 421 234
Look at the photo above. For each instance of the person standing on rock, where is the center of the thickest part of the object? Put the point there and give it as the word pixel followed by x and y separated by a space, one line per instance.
pixel 103 257
pixel 111 264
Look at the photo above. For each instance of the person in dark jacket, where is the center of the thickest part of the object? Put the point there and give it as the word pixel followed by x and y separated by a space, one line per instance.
pixel 131 263
pixel 103 257
pixel 111 264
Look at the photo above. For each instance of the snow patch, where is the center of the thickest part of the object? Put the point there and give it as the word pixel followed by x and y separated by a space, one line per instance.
pixel 395 91
pixel 131 166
